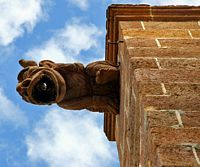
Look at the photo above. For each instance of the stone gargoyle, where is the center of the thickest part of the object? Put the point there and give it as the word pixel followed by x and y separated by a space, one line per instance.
pixel 71 86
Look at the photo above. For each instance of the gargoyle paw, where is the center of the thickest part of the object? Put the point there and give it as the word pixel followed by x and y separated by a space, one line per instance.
pixel 101 77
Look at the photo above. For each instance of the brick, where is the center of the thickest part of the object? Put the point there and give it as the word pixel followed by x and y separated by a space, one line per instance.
pixel 180 63
pixel 171 25
pixel 174 139
pixel 140 62
pixel 169 136
pixel 171 103
pixel 150 89
pixel 167 76
pixel 156 33
pixel 175 156
pixel 140 42
pixel 130 25
pixel 183 89
pixel 191 119
pixel 166 118
pixel 179 42
pixel 195 33
pixel 184 52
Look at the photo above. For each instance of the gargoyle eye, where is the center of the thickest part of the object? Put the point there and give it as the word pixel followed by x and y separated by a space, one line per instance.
pixel 42 86
pixel 44 90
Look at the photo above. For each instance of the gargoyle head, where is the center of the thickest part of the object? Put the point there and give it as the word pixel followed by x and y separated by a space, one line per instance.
pixel 40 84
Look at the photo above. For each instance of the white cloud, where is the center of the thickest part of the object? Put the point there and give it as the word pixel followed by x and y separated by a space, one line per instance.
pixel 67 43
pixel 18 16
pixel 82 4
pixel 50 50
pixel 9 112
pixel 64 138
pixel 171 2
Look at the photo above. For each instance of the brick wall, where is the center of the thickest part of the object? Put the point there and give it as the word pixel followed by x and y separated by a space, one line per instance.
pixel 159 121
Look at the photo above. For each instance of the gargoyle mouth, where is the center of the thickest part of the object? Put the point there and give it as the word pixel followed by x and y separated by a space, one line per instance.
pixel 41 86
pixel 44 90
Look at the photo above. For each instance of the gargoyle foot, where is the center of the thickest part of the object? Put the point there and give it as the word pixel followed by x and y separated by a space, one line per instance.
pixel 106 75
pixel 103 72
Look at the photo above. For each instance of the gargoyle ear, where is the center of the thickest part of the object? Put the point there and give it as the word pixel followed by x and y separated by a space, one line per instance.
pixel 27 63
pixel 21 74
pixel 47 63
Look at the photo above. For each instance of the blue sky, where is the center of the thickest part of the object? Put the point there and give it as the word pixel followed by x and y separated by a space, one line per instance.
pixel 63 31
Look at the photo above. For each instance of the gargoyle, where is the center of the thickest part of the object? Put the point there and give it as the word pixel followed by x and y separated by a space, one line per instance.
pixel 71 86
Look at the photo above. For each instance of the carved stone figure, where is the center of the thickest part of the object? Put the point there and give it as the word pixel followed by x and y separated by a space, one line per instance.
pixel 71 86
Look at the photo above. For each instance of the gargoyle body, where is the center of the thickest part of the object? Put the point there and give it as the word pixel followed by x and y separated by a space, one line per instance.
pixel 71 86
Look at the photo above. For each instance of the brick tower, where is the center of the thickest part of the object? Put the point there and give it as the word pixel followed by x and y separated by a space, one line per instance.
pixel 158 48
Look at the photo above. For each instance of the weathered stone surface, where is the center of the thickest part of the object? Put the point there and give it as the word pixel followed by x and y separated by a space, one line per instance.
pixel 171 136
pixel 183 52
pixel 171 25
pixel 170 33
pixel 150 89
pixel 162 118
pixel 195 33
pixel 171 102
pixel 183 90
pixel 159 91
pixel 168 118
pixel 143 62
pixel 167 76
pixel 140 42
pixel 179 42
pixel 179 63
pixel 130 25
pixel 175 156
